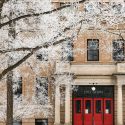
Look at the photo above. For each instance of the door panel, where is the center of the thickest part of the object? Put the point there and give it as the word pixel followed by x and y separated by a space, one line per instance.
pixel 87 110
pixel 93 111
pixel 78 111
pixel 98 111
pixel 108 111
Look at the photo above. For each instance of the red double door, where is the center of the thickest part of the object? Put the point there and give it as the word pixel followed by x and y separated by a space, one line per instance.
pixel 93 111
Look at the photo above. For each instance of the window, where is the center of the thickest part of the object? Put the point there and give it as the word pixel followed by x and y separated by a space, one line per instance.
pixel 118 50
pixel 108 106
pixel 42 55
pixel 18 87
pixel 68 51
pixel 98 106
pixel 78 106
pixel 17 123
pixel 89 8
pixel 42 90
pixel 117 7
pixel 88 106
pixel 41 121
pixel 93 50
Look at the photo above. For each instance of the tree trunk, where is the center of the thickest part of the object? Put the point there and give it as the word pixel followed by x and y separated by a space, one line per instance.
pixel 9 116
pixel 9 99
pixel 10 77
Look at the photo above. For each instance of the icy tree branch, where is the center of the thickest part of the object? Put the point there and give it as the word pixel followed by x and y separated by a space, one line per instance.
pixel 38 14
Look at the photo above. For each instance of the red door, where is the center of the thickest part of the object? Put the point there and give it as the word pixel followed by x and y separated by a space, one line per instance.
pixel 93 111
pixel 98 111
pixel 87 111
pixel 108 111
pixel 78 104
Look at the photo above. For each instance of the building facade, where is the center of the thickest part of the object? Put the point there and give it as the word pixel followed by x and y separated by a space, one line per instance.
pixel 96 64
pixel 100 79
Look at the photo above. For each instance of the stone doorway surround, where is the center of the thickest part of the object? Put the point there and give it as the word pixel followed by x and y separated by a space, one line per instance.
pixel 109 74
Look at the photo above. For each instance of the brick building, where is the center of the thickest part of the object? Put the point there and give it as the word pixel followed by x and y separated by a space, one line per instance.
pixel 99 75
pixel 98 71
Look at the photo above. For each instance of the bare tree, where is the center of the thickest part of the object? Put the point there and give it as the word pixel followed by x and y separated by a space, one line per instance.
pixel 40 26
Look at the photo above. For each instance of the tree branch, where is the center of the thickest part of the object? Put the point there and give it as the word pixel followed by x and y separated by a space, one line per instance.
pixel 45 44
pixel 37 14
pixel 10 68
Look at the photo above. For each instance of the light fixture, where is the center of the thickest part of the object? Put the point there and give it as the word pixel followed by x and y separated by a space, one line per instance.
pixel 93 88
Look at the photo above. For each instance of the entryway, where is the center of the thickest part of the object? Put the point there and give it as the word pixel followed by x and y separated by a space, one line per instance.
pixel 93 108
pixel 93 111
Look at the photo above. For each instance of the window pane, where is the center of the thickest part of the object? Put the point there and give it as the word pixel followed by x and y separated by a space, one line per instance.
pixel 17 123
pixel 88 107
pixel 41 122
pixel 93 55
pixel 118 50
pixel 67 51
pixel 92 44
pixel 98 106
pixel 108 106
pixel 42 85
pixel 78 106
pixel 42 55
pixel 42 90
pixel 93 50
pixel 18 87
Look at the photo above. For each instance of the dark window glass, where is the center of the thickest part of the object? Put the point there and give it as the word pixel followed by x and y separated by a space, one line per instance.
pixel 118 50
pixel 42 90
pixel 93 50
pixel 78 106
pixel 41 122
pixel 42 55
pixel 88 106
pixel 108 106
pixel 18 87
pixel 17 123
pixel 67 51
pixel 98 106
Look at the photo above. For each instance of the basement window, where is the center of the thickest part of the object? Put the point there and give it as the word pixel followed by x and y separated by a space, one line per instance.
pixel 41 121
pixel 17 123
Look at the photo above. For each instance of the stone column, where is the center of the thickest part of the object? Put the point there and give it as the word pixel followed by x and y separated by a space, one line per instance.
pixel 57 105
pixel 67 105
pixel 119 105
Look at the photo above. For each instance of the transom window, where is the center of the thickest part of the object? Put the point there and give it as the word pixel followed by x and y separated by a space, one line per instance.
pixel 118 50
pixel 93 50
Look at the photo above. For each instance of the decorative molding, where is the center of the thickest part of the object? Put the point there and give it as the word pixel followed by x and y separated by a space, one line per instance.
pixel 121 68
pixel 93 69
pixel 120 79
pixel 99 81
